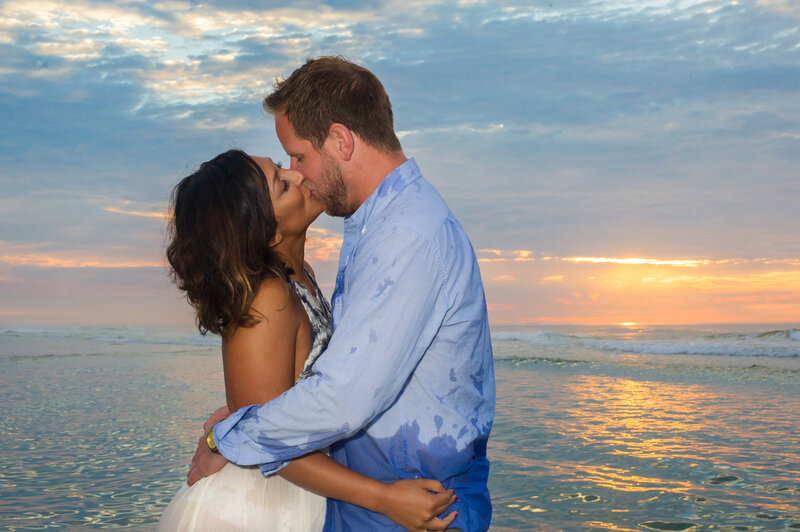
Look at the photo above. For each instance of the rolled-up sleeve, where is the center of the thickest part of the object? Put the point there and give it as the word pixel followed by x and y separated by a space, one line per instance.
pixel 394 306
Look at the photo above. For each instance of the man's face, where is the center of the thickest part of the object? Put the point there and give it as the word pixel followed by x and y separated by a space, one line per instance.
pixel 321 174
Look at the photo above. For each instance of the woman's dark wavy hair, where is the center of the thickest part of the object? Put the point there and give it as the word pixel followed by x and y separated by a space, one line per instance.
pixel 220 232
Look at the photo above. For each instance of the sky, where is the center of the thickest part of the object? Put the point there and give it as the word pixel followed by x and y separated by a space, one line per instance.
pixel 628 161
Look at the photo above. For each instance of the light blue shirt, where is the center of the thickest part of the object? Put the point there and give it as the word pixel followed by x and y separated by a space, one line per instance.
pixel 405 388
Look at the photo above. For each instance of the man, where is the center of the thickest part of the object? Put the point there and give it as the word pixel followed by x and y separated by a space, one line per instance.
pixel 405 388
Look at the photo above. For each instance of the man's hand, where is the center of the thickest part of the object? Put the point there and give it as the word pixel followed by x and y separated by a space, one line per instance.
pixel 218 415
pixel 204 462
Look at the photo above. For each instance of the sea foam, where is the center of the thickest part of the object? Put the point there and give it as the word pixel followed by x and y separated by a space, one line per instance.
pixel 777 343
pixel 117 335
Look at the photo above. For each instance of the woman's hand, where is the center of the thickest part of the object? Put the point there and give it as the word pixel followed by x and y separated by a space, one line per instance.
pixel 415 503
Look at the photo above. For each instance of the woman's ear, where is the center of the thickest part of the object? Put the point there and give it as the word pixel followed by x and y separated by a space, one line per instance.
pixel 340 140
pixel 277 239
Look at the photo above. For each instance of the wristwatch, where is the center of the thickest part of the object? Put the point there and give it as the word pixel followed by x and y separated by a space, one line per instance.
pixel 212 445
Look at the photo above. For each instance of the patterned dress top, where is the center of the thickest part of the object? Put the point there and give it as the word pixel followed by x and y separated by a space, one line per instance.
pixel 319 314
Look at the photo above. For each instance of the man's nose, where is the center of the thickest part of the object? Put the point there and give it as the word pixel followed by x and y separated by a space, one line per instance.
pixel 295 178
pixel 293 163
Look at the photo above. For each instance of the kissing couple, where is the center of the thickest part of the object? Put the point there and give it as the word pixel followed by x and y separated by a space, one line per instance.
pixel 372 413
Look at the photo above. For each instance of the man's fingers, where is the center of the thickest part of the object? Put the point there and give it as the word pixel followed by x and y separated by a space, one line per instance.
pixel 441 524
pixel 218 415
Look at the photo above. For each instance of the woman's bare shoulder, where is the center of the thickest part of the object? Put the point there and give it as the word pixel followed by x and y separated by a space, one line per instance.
pixel 275 297
pixel 259 361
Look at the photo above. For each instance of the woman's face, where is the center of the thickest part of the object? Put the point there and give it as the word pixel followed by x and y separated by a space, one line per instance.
pixel 294 205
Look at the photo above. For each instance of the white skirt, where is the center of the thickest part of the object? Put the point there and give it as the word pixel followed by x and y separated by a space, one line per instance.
pixel 241 499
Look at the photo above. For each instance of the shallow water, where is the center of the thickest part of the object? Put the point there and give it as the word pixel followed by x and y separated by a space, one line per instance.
pixel 99 440
pixel 598 441
pixel 98 429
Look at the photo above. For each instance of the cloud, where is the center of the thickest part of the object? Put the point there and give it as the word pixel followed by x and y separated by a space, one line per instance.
pixel 657 130
pixel 657 262
pixel 194 83
pixel 496 307
pixel 160 214
pixel 46 261
pixel 54 255
pixel 786 7
pixel 781 281
pixel 497 255
pixel 84 50
pixel 322 245
pixel 55 15
pixel 454 130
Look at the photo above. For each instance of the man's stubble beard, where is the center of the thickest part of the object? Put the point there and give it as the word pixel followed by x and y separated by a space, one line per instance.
pixel 334 194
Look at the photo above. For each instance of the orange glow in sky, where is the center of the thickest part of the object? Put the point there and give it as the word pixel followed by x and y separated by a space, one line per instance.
pixel 597 260
pixel 634 291
pixel 521 286
pixel 45 261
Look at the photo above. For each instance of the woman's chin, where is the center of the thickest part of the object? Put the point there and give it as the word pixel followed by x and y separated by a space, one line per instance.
pixel 319 209
pixel 313 217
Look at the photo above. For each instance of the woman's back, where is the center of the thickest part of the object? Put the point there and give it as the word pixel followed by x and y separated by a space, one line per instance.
pixel 260 362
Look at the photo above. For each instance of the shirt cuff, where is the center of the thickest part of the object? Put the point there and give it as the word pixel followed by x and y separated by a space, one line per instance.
pixel 228 439
pixel 273 467
pixel 225 435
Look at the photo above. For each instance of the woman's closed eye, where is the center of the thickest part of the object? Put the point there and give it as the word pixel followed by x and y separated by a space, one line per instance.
pixel 285 183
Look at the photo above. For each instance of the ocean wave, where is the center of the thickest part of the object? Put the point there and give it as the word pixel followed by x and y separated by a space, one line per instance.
pixel 117 335
pixel 776 343
pixel 770 343
pixel 45 356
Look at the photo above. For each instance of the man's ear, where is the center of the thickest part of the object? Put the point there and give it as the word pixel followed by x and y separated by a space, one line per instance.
pixel 340 140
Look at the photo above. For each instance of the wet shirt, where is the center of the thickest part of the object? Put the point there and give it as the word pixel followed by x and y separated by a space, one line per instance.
pixel 405 388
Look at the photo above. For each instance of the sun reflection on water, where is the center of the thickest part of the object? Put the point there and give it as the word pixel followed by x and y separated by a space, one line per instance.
pixel 651 451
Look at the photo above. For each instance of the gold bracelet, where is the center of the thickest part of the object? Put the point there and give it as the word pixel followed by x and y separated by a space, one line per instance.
pixel 212 445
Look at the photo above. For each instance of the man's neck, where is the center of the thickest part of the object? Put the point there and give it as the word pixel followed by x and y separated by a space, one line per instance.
pixel 371 170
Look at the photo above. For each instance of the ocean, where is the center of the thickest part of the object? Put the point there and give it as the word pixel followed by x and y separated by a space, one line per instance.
pixel 597 428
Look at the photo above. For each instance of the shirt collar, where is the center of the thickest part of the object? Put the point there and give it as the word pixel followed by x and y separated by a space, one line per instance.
pixel 397 180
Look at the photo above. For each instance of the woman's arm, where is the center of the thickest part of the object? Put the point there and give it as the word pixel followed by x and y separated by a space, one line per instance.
pixel 259 364
pixel 412 504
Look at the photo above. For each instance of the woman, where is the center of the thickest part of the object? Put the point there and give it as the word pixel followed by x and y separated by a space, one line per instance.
pixel 237 249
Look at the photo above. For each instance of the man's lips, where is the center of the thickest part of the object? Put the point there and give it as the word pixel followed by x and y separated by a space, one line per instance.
pixel 308 190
